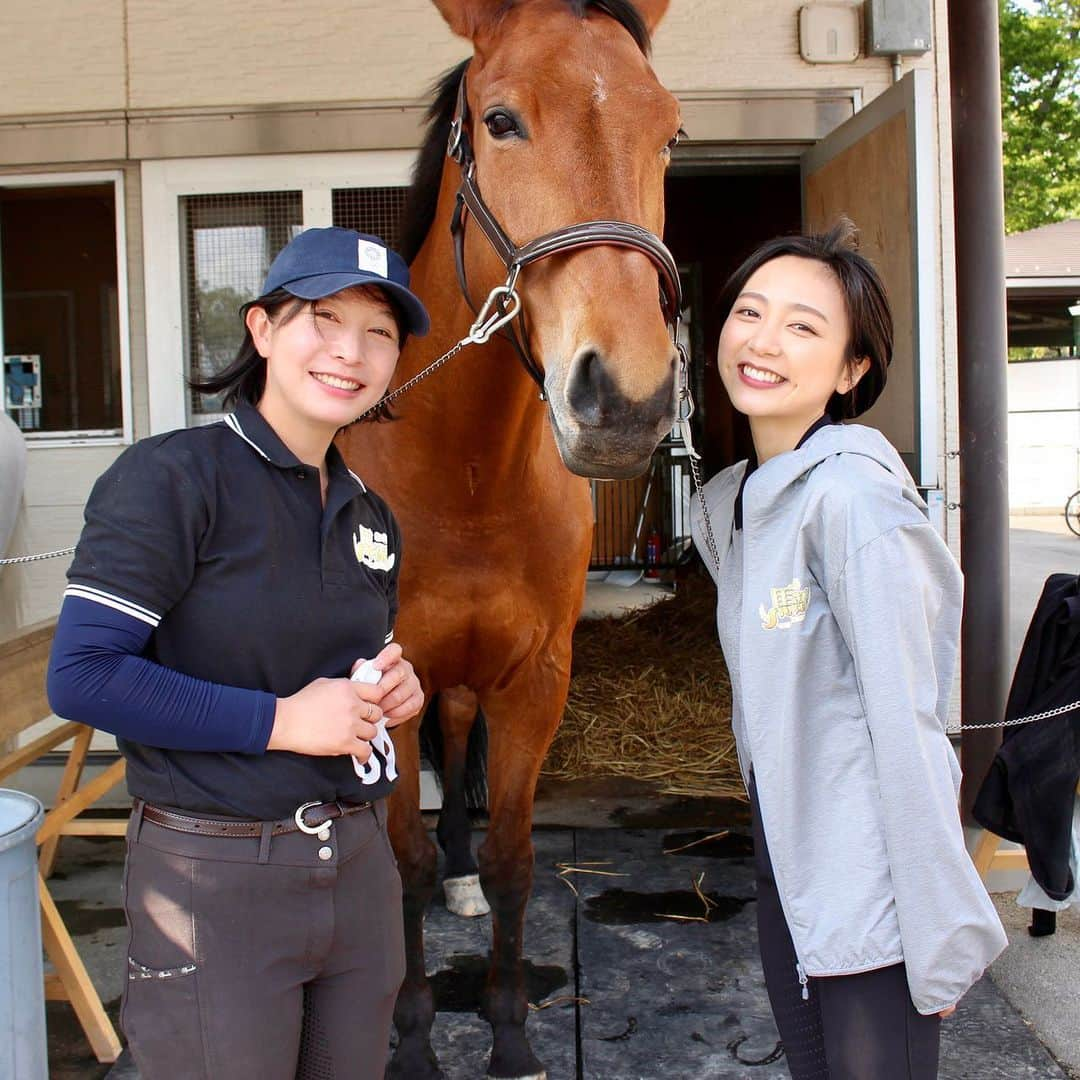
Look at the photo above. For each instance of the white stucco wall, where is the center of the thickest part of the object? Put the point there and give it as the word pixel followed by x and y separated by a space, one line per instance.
pixel 155 54
pixel 115 57
pixel 1044 433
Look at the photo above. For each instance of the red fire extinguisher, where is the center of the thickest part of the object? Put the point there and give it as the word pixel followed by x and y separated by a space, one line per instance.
pixel 652 555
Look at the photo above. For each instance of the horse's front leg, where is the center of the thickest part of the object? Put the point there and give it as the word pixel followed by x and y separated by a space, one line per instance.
pixel 522 720
pixel 414 1011
pixel 461 884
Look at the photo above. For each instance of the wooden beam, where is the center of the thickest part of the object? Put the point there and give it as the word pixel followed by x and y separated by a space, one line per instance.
pixel 984 852
pixel 56 819
pixel 73 771
pixel 15 760
pixel 96 827
pixel 23 662
pixel 72 973
pixel 1010 859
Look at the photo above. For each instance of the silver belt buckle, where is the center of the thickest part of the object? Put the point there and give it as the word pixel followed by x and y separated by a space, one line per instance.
pixel 322 832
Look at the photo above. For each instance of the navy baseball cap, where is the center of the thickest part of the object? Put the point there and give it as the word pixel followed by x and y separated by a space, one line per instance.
pixel 321 262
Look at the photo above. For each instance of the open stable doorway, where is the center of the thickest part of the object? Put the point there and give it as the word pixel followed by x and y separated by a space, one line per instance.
pixel 716 215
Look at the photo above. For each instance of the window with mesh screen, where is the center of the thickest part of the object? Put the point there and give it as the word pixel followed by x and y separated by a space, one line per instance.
pixel 375 210
pixel 228 242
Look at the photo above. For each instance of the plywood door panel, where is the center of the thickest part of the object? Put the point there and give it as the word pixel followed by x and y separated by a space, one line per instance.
pixel 870 184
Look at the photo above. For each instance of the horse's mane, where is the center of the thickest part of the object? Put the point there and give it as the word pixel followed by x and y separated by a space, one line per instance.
pixel 419 210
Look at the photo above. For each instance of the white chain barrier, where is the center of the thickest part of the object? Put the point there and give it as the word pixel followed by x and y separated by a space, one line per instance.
pixel 501 307
pixel 18 559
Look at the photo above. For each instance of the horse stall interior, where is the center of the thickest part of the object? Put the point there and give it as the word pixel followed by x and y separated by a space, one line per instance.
pixel 716 215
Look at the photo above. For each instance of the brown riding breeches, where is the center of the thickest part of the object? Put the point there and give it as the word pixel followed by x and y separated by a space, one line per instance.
pixel 260 959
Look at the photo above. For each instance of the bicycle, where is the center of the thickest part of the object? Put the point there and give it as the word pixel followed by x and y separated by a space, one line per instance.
pixel 1072 512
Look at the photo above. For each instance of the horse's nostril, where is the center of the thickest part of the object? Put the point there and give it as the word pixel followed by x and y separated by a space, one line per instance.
pixel 590 391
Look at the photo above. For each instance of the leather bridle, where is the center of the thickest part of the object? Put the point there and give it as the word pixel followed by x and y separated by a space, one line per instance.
pixel 470 203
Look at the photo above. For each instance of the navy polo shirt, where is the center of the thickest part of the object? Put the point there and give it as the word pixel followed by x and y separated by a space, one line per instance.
pixel 217 537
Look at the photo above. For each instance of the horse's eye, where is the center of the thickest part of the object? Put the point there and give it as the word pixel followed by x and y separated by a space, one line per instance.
pixel 501 124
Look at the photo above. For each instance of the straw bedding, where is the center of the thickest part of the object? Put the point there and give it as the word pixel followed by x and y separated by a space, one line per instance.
pixel 650 700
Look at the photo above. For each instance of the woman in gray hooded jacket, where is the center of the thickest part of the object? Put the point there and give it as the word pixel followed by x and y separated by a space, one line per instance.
pixel 839 614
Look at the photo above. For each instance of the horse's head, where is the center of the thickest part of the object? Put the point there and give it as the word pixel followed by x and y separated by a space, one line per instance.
pixel 569 124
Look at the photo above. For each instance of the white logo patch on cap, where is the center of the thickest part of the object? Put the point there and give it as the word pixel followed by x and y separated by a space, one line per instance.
pixel 371 257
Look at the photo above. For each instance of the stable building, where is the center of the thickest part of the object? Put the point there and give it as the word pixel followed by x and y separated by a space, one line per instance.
pixel 154 159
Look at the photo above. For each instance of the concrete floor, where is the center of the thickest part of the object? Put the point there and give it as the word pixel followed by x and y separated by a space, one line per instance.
pixel 635 984
pixel 1039 978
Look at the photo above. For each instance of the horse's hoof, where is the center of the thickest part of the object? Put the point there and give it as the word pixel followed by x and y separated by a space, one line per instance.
pixel 465 897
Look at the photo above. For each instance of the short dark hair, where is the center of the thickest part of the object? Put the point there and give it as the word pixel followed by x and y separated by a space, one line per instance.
pixel 869 315
pixel 244 379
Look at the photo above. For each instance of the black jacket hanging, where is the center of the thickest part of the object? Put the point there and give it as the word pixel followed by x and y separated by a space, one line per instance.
pixel 1028 793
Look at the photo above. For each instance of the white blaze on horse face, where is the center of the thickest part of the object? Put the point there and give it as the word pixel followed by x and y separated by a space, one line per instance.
pixel 594 319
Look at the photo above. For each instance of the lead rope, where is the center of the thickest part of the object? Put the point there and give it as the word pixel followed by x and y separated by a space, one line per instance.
pixel 501 306
pixel 682 422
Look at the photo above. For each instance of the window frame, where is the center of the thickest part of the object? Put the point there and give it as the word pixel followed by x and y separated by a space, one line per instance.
pixel 164 182
pixel 90 437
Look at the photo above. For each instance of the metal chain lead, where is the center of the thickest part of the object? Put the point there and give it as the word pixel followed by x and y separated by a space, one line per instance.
pixel 682 422
pixel 502 304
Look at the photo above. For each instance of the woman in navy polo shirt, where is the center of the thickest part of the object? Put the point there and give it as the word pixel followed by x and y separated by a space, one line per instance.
pixel 228 580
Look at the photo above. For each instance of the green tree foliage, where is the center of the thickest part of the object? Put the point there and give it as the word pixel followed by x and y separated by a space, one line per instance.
pixel 220 329
pixel 1040 98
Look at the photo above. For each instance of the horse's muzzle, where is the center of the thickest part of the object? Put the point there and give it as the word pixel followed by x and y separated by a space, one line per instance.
pixel 600 431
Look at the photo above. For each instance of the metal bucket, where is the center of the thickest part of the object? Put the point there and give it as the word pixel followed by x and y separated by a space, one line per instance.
pixel 23 1049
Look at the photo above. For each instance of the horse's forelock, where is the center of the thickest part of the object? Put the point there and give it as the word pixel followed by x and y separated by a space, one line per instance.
pixel 419 210
pixel 623 12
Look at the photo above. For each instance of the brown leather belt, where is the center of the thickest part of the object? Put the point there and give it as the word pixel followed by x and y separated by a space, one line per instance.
pixel 313 815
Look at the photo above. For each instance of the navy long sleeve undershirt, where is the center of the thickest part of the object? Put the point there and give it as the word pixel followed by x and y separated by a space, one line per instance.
pixel 99 676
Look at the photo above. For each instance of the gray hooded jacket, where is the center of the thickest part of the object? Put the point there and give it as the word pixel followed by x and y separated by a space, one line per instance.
pixel 839 615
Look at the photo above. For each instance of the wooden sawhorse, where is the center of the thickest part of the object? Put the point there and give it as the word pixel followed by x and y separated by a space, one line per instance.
pixel 23 703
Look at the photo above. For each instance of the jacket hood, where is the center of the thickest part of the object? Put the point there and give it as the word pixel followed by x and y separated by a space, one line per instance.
pixel 772 479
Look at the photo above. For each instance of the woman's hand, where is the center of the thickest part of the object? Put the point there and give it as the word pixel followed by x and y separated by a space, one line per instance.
pixel 946 1013
pixel 328 717
pixel 400 697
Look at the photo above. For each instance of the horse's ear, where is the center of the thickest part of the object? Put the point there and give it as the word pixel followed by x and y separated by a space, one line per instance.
pixel 652 11
pixel 468 17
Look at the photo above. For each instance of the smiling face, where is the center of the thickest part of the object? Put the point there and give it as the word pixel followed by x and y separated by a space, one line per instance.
pixel 783 350
pixel 327 363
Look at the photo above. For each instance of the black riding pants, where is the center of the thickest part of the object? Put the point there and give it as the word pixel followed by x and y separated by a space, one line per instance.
pixel 273 959
pixel 850 1027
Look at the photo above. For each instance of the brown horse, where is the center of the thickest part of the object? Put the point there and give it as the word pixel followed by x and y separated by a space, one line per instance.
pixel 567 123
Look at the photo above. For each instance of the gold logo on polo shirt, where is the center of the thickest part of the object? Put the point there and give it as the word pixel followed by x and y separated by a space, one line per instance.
pixel 789 606
pixel 372 550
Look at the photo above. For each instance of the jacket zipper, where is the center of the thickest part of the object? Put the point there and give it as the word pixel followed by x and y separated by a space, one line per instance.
pixel 799 970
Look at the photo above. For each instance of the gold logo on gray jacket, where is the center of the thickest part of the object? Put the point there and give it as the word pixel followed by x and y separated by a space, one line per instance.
pixel 789 606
